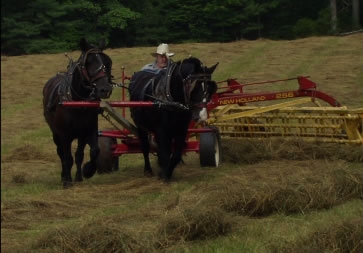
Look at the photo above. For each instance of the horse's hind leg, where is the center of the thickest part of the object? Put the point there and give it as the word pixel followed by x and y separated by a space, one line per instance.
pixel 145 147
pixel 79 158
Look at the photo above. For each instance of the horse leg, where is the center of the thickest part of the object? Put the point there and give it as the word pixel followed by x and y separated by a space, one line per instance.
pixel 145 147
pixel 59 152
pixel 177 154
pixel 164 152
pixel 79 158
pixel 90 168
pixel 65 154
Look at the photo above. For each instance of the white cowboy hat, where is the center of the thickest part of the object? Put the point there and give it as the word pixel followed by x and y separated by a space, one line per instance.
pixel 163 49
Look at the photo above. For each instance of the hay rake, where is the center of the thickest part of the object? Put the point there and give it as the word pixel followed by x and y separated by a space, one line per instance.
pixel 229 112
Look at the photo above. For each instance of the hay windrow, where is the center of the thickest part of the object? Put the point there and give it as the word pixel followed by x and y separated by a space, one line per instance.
pixel 251 152
pixel 194 223
pixel 345 236
pixel 28 152
pixel 19 178
pixel 112 234
pixel 97 237
pixel 306 191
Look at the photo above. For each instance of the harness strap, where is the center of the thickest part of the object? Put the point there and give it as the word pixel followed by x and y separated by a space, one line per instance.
pixel 161 89
pixel 169 72
pixel 62 88
pixel 143 91
pixel 188 88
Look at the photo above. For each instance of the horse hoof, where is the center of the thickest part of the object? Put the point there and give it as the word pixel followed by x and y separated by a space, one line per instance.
pixel 161 176
pixel 166 180
pixel 88 170
pixel 148 173
pixel 67 185
pixel 78 179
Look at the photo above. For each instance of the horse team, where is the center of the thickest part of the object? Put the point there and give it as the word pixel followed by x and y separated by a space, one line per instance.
pixel 182 90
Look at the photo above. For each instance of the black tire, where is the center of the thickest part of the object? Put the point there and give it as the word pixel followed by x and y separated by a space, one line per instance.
pixel 210 148
pixel 106 163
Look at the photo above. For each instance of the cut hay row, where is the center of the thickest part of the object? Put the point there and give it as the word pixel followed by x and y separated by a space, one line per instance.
pixel 346 236
pixel 289 197
pixel 109 234
pixel 250 152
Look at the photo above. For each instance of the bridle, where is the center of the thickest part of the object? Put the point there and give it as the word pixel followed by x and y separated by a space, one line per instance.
pixel 89 82
pixel 100 72
pixel 189 83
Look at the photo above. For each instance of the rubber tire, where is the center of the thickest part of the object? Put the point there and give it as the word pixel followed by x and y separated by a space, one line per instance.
pixel 106 163
pixel 210 148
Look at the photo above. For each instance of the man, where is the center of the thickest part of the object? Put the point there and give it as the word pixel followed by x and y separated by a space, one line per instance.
pixel 162 58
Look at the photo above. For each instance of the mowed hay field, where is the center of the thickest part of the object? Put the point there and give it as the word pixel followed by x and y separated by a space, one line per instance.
pixel 271 196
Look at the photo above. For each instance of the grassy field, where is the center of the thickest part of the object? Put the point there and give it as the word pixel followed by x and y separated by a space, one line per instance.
pixel 272 196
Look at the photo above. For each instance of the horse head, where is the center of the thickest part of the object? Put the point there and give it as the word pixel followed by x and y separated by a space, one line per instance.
pixel 198 86
pixel 95 67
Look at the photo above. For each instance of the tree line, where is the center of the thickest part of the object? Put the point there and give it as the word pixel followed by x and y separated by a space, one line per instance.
pixel 50 26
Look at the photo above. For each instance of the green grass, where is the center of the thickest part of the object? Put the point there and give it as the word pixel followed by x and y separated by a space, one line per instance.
pixel 315 57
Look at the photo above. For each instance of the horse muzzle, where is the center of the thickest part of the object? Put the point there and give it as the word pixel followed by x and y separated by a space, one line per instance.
pixel 104 92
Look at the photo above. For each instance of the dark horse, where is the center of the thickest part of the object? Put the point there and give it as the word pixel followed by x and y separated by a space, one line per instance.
pixel 87 79
pixel 182 91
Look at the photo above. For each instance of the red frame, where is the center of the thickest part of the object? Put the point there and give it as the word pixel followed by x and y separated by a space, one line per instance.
pixel 307 88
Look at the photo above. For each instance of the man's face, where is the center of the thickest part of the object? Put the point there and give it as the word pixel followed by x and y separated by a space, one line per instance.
pixel 161 61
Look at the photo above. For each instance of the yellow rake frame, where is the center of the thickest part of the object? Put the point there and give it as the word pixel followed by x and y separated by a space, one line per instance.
pixel 322 124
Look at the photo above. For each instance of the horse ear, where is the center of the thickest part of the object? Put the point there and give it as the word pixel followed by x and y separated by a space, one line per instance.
pixel 102 44
pixel 211 69
pixel 84 45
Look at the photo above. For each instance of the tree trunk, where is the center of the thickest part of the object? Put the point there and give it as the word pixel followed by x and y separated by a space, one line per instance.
pixel 355 10
pixel 334 19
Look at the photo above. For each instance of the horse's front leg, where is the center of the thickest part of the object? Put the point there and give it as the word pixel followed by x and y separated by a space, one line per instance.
pixel 164 152
pixel 79 158
pixel 90 168
pixel 65 155
pixel 179 146
pixel 145 147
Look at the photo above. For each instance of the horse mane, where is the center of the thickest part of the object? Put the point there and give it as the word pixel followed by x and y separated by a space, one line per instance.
pixel 198 65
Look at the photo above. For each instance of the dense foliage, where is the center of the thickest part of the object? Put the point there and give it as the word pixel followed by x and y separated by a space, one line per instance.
pixel 46 26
